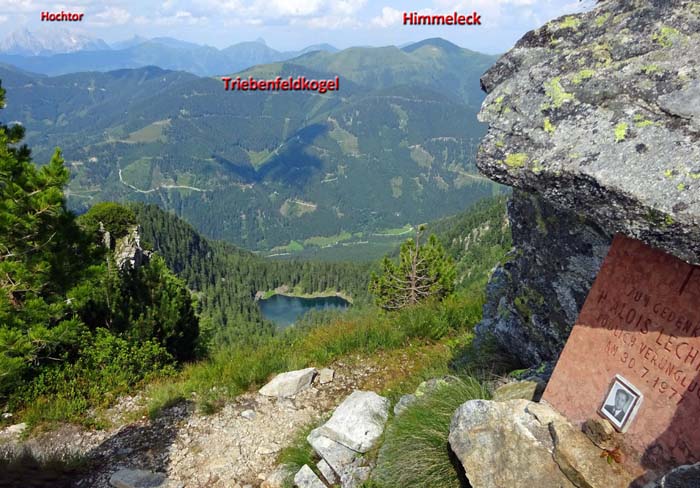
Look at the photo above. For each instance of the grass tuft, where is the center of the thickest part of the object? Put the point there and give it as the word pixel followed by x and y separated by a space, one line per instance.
pixel 416 451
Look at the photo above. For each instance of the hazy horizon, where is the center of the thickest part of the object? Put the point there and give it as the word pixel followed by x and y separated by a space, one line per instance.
pixel 288 25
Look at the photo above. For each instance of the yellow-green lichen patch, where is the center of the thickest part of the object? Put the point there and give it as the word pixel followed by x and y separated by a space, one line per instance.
pixel 500 143
pixel 497 105
pixel 668 173
pixel 516 160
pixel 602 54
pixel 569 22
pixel 601 19
pixel 584 74
pixel 621 131
pixel 556 93
pixel 641 122
pixel 650 69
pixel 694 176
pixel 666 36
pixel 548 126
pixel 680 187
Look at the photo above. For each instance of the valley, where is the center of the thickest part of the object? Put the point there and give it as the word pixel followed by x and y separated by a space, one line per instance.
pixel 271 170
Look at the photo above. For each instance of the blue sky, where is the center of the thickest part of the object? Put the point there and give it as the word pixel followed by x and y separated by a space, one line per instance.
pixel 291 24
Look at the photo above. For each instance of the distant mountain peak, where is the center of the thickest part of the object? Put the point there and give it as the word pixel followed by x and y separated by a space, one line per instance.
pixel 46 42
pixel 438 42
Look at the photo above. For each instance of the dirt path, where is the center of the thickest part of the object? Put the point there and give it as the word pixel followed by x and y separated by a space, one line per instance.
pixel 225 449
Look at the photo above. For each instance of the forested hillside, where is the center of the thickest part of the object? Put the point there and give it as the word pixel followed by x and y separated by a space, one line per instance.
pixel 77 325
pixel 272 171
pixel 225 279
pixel 477 239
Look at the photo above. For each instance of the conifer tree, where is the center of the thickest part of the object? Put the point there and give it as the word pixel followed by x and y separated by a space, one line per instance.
pixel 423 272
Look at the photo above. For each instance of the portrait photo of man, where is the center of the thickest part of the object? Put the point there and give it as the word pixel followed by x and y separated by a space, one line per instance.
pixel 621 403
pixel 619 408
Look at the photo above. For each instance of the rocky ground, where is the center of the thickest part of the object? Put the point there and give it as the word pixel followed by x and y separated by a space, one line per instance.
pixel 235 447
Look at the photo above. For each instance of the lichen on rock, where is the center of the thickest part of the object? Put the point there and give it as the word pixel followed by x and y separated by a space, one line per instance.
pixel 608 117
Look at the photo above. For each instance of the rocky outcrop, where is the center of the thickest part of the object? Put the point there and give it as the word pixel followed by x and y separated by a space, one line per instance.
pixel 680 477
pixel 128 252
pixel 519 390
pixel 521 444
pixel 288 384
pixel 533 299
pixel 593 119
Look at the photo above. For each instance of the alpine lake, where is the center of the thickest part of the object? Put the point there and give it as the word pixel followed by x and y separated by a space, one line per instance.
pixel 284 310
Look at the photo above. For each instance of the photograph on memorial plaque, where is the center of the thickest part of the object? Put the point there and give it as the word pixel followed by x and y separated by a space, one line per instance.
pixel 621 403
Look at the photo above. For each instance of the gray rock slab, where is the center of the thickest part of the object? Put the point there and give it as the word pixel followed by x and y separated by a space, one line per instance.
pixel 249 414
pixel 404 402
pixel 325 376
pixel 137 478
pixel 519 390
pixel 306 478
pixel 327 472
pixel 359 421
pixel 288 384
pixel 338 456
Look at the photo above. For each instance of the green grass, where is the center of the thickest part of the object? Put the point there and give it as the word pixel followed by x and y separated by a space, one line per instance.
pixel 322 241
pixel 151 133
pixel 416 451
pixel 235 368
pixel 138 173
pixel 297 454
pixel 399 231
pixel 258 158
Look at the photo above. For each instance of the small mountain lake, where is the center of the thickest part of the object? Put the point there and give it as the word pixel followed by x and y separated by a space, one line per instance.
pixel 285 310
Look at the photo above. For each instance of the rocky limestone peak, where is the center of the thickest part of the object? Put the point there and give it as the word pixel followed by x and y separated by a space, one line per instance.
pixel 128 252
pixel 599 113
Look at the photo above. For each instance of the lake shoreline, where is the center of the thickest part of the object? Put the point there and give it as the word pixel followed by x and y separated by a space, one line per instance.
pixel 265 295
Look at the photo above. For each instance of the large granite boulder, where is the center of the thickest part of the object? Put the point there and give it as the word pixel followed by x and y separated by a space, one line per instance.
pixel 287 385
pixel 359 421
pixel 518 443
pixel 594 120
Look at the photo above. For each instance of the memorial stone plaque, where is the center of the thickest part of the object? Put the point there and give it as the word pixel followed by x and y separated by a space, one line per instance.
pixel 633 357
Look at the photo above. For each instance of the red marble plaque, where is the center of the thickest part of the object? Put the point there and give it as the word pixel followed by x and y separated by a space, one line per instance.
pixel 641 325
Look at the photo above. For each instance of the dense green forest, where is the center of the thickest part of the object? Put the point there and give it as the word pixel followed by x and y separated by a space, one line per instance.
pixel 69 315
pixel 272 171
pixel 226 279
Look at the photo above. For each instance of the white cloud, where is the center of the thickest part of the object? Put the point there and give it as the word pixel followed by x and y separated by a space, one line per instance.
pixel 287 8
pixel 110 16
pixel 390 16
pixel 331 22
pixel 16 6
pixel 181 17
